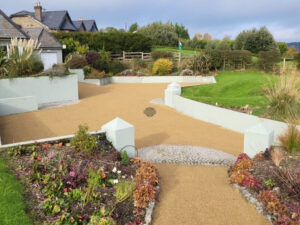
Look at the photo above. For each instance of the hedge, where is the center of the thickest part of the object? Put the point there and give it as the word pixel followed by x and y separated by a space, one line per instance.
pixel 114 42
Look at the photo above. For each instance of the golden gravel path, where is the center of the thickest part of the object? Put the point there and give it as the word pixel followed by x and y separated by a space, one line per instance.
pixel 191 195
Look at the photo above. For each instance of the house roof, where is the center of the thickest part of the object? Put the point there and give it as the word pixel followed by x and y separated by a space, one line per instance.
pixel 78 24
pixel 55 20
pixel 90 25
pixel 8 29
pixel 46 39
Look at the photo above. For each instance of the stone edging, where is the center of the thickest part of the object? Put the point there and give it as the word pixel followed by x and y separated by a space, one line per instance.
pixel 252 199
pixel 150 209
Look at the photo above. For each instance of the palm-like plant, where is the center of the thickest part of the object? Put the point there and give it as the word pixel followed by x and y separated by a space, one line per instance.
pixel 21 50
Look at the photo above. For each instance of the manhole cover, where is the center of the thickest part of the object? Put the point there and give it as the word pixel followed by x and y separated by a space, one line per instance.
pixel 149 111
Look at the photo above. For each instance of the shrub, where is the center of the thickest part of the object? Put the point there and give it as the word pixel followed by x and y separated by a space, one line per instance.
pixel 162 54
pixel 146 173
pixel 57 70
pixel 116 67
pixel 267 60
pixel 77 62
pixel 162 67
pixel 200 64
pixel 139 64
pixel 102 63
pixel 83 141
pixel 115 42
pixel 124 158
pixel 37 66
pixel 271 202
pixel 87 70
pixel 283 93
pixel 91 57
pixel 297 58
pixel 143 195
pixel 95 74
pixel 291 138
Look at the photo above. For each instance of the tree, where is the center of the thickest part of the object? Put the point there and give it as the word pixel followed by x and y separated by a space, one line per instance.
pixel 197 36
pixel 207 36
pixel 255 40
pixel 283 48
pixel 161 34
pixel 133 27
pixel 182 32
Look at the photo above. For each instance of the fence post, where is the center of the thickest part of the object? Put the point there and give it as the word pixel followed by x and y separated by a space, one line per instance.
pixel 179 57
pixel 142 55
pixel 124 56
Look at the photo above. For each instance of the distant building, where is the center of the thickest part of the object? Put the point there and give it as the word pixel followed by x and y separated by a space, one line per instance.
pixel 51 20
pixel 51 48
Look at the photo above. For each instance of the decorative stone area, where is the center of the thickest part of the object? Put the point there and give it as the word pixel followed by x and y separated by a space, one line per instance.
pixel 184 154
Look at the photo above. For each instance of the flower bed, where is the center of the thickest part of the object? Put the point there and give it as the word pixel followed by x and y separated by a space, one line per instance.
pixel 273 178
pixel 83 181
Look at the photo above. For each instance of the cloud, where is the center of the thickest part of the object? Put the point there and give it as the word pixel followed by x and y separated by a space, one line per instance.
pixel 218 17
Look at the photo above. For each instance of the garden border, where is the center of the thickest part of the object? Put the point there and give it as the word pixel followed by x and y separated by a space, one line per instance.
pixel 143 79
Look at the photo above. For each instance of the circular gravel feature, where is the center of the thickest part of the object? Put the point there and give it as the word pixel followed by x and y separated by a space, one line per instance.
pixel 184 154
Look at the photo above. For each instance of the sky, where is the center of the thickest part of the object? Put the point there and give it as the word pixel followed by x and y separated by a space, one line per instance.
pixel 218 17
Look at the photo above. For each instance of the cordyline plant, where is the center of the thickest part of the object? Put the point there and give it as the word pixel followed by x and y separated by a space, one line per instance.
pixel 21 50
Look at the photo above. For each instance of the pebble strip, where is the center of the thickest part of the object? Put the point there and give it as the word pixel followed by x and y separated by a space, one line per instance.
pixel 185 154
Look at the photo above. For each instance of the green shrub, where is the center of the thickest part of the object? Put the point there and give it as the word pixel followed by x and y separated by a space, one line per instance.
pixel 27 67
pixel 77 62
pixel 37 66
pixel 162 67
pixel 283 93
pixel 291 139
pixel 200 64
pixel 124 158
pixel 139 64
pixel 87 70
pixel 267 60
pixel 161 54
pixel 297 58
pixel 116 67
pixel 115 42
pixel 103 62
pixel 83 141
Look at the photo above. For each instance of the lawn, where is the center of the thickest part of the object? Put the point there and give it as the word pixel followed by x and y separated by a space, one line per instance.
pixel 233 89
pixel 12 206
pixel 175 49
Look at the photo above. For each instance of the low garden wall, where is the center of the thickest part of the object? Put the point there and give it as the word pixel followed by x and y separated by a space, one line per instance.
pixel 260 133
pixel 37 91
pixel 143 79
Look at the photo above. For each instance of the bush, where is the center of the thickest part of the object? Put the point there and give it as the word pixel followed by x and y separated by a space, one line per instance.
pixel 297 58
pixel 139 64
pixel 56 70
pixel 161 54
pixel 87 70
pixel 83 141
pixel 115 42
pixel 101 65
pixel 91 57
pixel 267 60
pixel 200 64
pixel 162 67
pixel 37 66
pixel 291 139
pixel 77 62
pixel 95 74
pixel 283 93
pixel 116 67
pixel 24 68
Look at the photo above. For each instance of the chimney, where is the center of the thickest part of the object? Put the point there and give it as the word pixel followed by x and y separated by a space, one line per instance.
pixel 38 11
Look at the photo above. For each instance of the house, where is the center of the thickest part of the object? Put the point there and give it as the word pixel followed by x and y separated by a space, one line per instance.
pixel 49 20
pixel 52 20
pixel 50 47
pixel 86 25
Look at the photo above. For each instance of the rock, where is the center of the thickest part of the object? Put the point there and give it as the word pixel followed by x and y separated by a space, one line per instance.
pixel 129 72
pixel 186 72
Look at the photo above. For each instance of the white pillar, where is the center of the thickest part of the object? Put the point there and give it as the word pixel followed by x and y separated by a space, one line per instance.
pixel 257 139
pixel 173 89
pixel 121 134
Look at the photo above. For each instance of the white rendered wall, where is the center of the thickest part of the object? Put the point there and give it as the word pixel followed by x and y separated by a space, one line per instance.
pixel 45 89
pixel 17 105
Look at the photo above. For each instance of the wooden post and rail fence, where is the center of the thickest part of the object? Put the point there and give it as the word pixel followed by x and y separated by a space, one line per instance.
pixel 128 56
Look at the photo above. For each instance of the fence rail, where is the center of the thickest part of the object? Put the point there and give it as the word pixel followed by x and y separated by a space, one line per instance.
pixel 127 56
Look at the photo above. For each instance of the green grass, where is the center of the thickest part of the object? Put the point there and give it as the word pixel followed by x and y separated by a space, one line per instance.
pixel 175 49
pixel 12 206
pixel 233 89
